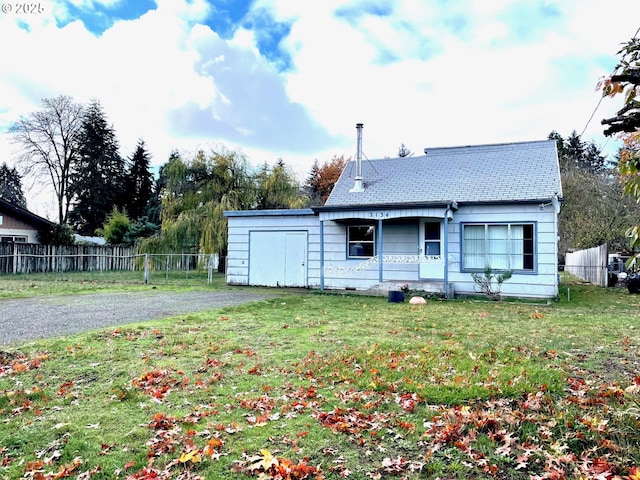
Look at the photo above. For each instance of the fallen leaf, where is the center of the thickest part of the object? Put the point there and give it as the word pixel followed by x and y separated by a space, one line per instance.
pixel 192 456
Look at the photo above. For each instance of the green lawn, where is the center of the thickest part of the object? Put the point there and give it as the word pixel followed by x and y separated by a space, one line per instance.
pixel 332 386
pixel 20 286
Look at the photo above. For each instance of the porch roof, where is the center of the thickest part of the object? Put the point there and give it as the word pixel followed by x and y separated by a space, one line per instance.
pixel 387 212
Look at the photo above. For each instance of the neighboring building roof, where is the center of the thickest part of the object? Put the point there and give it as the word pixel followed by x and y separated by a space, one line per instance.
pixel 23 214
pixel 88 240
pixel 510 172
pixel 268 213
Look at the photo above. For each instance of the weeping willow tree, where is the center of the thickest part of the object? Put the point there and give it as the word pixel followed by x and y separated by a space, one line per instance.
pixel 197 192
pixel 277 187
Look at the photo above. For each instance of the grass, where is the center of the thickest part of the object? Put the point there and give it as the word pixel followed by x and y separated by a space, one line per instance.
pixel 22 286
pixel 332 386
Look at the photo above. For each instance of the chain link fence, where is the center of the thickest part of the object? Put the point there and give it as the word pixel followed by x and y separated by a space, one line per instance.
pixel 177 267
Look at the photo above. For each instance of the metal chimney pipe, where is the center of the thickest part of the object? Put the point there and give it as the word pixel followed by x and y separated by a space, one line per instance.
pixel 358 186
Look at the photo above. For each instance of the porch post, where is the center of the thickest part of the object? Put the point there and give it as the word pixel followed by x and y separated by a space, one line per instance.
pixel 380 250
pixel 446 253
pixel 321 255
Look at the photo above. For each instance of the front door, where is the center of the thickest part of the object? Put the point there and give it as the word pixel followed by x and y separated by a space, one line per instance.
pixel 431 250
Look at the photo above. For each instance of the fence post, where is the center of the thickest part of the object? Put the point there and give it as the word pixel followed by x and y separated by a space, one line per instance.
pixel 210 275
pixel 15 258
pixel 147 267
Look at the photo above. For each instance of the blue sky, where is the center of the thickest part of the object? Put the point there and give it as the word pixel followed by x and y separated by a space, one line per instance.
pixel 290 79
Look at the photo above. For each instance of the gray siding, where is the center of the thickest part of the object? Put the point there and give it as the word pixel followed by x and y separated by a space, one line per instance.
pixel 238 261
pixel 544 282
pixel 400 237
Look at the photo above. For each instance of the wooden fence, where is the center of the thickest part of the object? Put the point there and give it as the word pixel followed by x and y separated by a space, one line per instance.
pixel 589 265
pixel 34 258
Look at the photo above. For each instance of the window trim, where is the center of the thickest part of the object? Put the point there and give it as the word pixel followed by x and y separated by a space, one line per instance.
pixel 529 271
pixel 372 242
pixel 14 239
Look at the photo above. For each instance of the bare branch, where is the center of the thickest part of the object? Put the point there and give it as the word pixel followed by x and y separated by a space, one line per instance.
pixel 48 141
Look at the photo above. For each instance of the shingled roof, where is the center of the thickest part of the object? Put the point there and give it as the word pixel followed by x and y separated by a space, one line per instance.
pixel 524 171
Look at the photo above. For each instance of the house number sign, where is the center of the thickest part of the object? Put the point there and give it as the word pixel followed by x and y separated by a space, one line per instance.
pixel 378 214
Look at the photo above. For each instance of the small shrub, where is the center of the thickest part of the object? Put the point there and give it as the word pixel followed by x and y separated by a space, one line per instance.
pixel 57 234
pixel 115 227
pixel 485 282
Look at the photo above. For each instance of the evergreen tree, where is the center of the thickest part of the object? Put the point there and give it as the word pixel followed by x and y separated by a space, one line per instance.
pixel 99 178
pixel 309 186
pixel 575 153
pixel 403 151
pixel 140 230
pixel 595 162
pixel 153 209
pixel 139 183
pixel 11 186
pixel 575 149
pixel 562 152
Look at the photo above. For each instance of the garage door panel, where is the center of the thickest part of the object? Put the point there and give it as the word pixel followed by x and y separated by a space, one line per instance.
pixel 278 258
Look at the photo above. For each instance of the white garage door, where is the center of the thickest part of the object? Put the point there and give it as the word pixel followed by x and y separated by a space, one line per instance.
pixel 278 259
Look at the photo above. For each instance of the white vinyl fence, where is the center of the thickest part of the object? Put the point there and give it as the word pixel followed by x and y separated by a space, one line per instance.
pixel 589 265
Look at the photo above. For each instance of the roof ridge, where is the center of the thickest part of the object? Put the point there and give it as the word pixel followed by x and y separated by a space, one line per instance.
pixel 461 149
pixel 494 145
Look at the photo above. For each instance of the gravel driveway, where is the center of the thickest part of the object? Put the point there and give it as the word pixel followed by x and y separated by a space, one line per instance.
pixel 51 316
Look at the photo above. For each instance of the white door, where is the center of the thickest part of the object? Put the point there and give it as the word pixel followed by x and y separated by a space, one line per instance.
pixel 431 250
pixel 295 262
pixel 278 259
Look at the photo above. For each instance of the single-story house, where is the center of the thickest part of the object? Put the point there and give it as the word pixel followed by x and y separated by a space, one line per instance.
pixel 428 221
pixel 18 225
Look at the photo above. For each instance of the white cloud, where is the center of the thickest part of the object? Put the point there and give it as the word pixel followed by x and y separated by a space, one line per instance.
pixel 419 73
pixel 460 76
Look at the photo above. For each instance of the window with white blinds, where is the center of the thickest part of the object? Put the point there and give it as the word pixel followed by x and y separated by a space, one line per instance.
pixel 502 246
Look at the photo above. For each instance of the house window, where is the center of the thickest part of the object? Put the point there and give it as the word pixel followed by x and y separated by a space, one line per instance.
pixel 504 246
pixel 432 239
pixel 361 241
pixel 13 239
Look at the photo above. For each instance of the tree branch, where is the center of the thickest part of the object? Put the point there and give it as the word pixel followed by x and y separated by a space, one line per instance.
pixel 632 77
